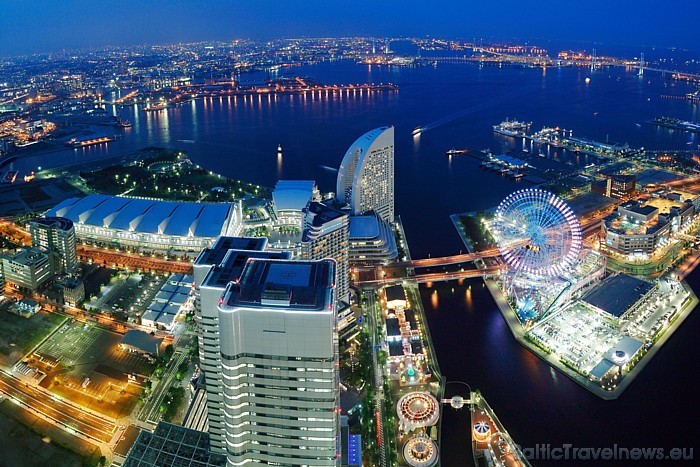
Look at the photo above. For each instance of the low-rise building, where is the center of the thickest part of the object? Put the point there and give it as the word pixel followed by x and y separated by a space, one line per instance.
pixel 141 342
pixel 26 307
pixel 640 229
pixel 171 445
pixel 148 223
pixel 290 197
pixel 73 292
pixel 395 297
pixel 29 268
pixel 615 186
pixel 371 240
pixel 619 295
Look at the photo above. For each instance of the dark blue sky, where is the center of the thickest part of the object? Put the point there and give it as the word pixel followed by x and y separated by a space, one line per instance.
pixel 29 26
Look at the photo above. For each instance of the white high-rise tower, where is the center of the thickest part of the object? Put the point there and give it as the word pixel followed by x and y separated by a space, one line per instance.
pixel 366 175
pixel 279 360
pixel 214 268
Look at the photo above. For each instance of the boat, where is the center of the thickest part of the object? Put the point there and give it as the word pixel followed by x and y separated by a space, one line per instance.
pixel 82 142
pixel 512 128
pixel 10 177
pixel 120 121
pixel 676 124
pixel 154 108
pixel 547 135
pixel 417 131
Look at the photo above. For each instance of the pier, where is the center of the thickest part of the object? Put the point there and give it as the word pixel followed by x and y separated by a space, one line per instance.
pixel 562 138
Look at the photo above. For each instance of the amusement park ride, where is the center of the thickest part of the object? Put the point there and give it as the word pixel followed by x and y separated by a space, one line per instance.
pixel 540 240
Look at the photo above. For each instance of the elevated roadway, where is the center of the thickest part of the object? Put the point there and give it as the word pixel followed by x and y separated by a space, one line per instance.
pixel 431 277
pixel 447 260
pixel 58 411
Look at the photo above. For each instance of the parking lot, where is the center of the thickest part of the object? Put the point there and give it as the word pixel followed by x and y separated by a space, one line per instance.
pixel 18 335
pixel 656 314
pixel 127 293
pixel 578 335
pixel 84 363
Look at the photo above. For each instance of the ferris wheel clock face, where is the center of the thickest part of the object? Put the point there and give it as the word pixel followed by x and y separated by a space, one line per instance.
pixel 537 233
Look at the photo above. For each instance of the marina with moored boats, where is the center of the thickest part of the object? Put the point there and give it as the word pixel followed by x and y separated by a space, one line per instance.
pixel 561 138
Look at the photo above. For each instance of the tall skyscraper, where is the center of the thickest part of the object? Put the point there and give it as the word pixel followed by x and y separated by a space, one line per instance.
pixel 366 175
pixel 326 234
pixel 56 235
pixel 279 356
pixel 214 268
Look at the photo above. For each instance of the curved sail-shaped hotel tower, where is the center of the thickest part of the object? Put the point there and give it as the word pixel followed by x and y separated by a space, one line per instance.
pixel 366 175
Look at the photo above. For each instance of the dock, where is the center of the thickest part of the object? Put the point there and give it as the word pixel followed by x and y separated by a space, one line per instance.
pixel 564 139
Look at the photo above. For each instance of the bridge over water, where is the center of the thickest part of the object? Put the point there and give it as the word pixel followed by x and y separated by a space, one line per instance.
pixel 431 277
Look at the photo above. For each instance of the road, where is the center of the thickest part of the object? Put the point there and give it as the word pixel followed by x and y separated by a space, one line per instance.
pixel 432 277
pixel 372 312
pixel 56 410
pixel 446 260
pixel 150 412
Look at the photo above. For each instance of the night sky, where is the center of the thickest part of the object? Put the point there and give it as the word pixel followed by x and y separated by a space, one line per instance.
pixel 36 26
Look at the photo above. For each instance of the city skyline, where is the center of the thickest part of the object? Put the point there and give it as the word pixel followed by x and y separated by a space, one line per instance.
pixel 310 251
pixel 51 27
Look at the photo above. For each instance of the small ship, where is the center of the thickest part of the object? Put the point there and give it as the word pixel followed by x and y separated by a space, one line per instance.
pixel 10 177
pixel 82 142
pixel 512 128
pixel 676 124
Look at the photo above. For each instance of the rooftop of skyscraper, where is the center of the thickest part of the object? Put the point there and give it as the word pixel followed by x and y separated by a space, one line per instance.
pixel 61 222
pixel 216 254
pixel 233 263
pixel 293 194
pixel 324 212
pixel 290 284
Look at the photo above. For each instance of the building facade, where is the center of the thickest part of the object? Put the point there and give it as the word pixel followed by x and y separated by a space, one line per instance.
pixel 326 235
pixel 279 356
pixel 366 175
pixel 214 268
pixel 635 229
pixel 371 240
pixel 290 197
pixel 29 268
pixel 56 235
pixel 616 186
pixel 150 224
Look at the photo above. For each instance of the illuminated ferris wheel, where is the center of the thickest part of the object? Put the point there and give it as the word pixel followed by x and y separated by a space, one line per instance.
pixel 537 233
